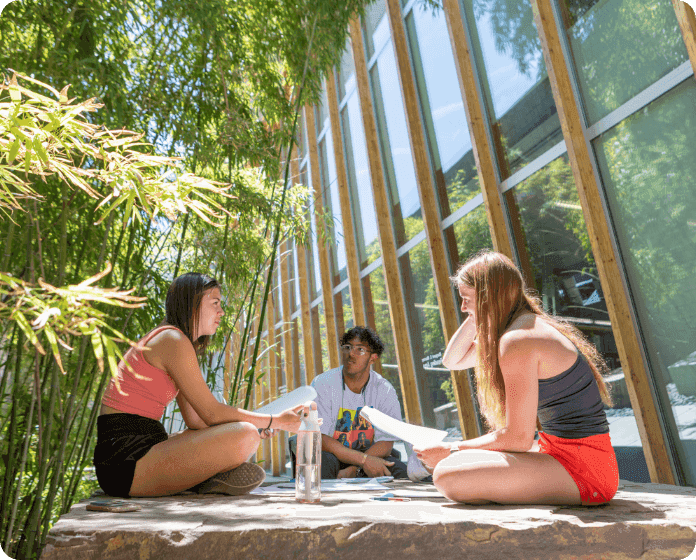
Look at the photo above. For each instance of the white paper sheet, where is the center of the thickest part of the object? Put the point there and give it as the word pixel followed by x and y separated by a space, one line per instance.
pixel 294 398
pixel 415 435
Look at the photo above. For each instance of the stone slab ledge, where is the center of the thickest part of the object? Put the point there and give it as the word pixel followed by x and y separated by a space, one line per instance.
pixel 646 521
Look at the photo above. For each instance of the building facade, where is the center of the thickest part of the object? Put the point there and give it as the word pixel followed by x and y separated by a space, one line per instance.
pixel 559 132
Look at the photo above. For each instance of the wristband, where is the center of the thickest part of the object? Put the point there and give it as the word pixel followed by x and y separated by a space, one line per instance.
pixel 270 422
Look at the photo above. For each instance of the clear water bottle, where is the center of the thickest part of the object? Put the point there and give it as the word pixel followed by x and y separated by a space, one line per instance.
pixel 308 475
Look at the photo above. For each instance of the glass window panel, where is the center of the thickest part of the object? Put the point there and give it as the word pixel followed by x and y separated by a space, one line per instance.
pixel 302 140
pixel 376 27
pixel 346 78
pixel 322 110
pixel 471 234
pixel 515 82
pixel 379 319
pixel 300 358
pixel 438 77
pixel 441 99
pixel 426 336
pixel 294 280
pixel 396 148
pixel 358 168
pixel 347 312
pixel 321 346
pixel 648 168
pixel 332 207
pixel 557 260
pixel 620 47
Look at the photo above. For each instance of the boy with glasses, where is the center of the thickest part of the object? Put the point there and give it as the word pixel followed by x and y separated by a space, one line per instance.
pixel 351 446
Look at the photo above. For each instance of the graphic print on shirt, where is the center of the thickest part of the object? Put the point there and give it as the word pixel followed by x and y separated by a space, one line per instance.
pixel 352 430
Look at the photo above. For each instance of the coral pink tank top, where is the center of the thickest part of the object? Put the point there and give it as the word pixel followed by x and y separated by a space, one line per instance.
pixel 148 392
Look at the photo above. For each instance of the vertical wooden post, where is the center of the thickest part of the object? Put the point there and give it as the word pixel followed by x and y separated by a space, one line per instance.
pixel 473 106
pixel 324 267
pixel 352 258
pixel 395 294
pixel 439 262
pixel 687 24
pixel 303 282
pixel 618 301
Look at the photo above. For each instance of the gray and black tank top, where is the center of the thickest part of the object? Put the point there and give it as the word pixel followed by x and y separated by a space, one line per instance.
pixel 570 405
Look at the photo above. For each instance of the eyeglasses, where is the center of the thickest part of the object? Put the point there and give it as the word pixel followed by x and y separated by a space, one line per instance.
pixel 357 350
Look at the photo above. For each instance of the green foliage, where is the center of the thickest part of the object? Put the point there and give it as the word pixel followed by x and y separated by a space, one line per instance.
pixel 215 89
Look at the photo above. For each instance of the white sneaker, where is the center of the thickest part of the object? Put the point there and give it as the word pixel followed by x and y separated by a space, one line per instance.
pixel 415 469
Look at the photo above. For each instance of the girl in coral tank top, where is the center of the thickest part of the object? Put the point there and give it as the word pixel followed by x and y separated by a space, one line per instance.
pixel 134 455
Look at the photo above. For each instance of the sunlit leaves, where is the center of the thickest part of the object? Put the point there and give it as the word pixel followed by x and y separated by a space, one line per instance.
pixel 41 137
pixel 54 314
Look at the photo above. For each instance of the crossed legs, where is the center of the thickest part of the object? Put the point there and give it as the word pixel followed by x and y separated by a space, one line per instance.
pixel 481 476
pixel 192 456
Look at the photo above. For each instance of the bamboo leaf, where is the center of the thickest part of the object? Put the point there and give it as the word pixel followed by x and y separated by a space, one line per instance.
pixel 98 349
pixel 23 324
pixel 40 150
pixel 52 340
pixel 14 150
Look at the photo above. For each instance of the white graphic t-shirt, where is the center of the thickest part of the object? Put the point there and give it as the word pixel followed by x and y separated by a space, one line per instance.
pixel 340 408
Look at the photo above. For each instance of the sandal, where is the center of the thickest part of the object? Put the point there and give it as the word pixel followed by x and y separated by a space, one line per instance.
pixel 235 482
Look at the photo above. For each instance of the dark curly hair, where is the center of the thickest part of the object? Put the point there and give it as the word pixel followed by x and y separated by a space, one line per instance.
pixel 366 335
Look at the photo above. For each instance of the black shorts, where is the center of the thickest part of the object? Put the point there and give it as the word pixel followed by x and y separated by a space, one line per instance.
pixel 122 439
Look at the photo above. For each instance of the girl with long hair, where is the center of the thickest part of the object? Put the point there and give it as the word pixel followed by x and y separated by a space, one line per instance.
pixel 134 455
pixel 528 365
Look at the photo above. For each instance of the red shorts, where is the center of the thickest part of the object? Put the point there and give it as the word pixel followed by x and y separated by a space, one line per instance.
pixel 590 461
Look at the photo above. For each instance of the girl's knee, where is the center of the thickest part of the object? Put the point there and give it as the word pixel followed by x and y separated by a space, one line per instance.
pixel 250 433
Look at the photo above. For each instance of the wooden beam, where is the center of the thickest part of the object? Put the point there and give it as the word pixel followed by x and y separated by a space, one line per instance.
pixel 439 263
pixel 351 246
pixel 387 241
pixel 618 301
pixel 324 266
pixel 475 117
pixel 303 281
pixel 687 24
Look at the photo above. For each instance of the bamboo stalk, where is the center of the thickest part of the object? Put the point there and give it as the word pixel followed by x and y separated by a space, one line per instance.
pixel 20 476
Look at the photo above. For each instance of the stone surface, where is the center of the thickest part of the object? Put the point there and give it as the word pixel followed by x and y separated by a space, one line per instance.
pixel 643 521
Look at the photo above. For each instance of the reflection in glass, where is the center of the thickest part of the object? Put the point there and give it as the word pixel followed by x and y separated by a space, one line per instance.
pixel 322 110
pixel 426 336
pixel 557 260
pixel 321 348
pixel 648 168
pixel 332 207
pixel 376 27
pixel 441 98
pixel 396 148
pixel 378 318
pixel 472 234
pixel 346 75
pixel 313 267
pixel 358 167
pixel 620 47
pixel 516 86
pixel 345 311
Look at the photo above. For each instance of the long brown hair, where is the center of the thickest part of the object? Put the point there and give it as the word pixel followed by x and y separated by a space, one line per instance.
pixel 501 297
pixel 183 305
